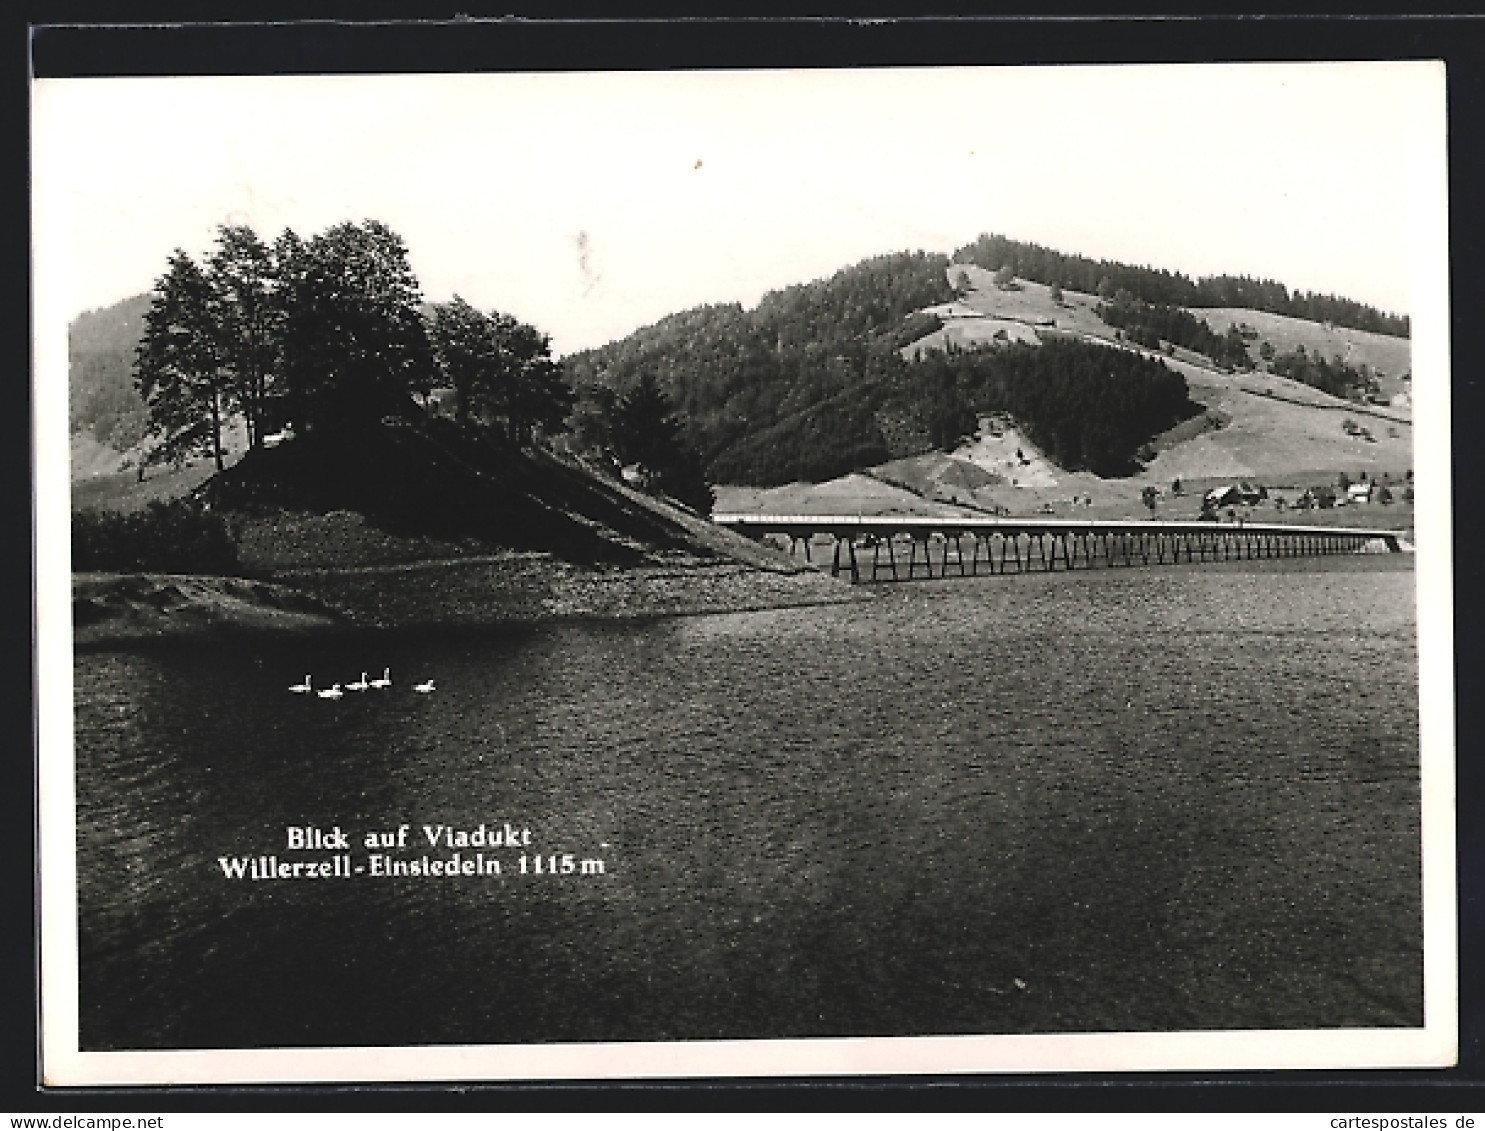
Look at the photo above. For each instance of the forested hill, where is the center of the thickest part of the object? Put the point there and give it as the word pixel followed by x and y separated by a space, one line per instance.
pixel 1171 288
pixel 100 350
pixel 811 383
pixel 733 372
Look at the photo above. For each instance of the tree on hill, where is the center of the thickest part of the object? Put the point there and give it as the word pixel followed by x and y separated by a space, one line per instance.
pixel 1151 324
pixel 178 367
pixel 645 431
pixel 536 395
pixel 327 332
pixel 354 345
pixel 244 281
pixel 500 367
pixel 1334 377
pixel 466 349
pixel 1171 288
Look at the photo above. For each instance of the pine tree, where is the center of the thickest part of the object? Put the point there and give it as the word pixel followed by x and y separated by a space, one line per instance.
pixel 646 431
pixel 178 365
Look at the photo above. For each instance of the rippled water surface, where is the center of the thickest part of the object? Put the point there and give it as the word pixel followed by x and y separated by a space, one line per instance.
pixel 1151 799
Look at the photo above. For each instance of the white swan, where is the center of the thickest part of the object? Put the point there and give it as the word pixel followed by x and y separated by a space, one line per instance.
pixel 301 688
pixel 385 681
pixel 424 687
pixel 358 684
pixel 333 693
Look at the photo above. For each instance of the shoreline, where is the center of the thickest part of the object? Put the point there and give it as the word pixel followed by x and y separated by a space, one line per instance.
pixel 118 609
pixel 121 608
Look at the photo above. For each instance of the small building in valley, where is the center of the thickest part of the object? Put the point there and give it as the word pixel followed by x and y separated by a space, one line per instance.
pixel 1234 495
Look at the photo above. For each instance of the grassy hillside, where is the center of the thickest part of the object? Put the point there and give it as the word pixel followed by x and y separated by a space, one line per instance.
pixel 1270 432
pixel 1390 357
pixel 1105 277
pixel 981 305
pixel 1253 425
pixel 1028 303
pixel 122 492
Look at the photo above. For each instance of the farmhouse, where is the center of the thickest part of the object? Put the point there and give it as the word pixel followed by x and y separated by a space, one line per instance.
pixel 1234 494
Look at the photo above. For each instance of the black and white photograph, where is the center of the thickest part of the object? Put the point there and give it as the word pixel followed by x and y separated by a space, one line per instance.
pixel 743 572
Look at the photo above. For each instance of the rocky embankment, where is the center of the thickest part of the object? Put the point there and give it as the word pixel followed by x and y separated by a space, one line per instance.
pixel 113 608
pixel 110 606
pixel 532 588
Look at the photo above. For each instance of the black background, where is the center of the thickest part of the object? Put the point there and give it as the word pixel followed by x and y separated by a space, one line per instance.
pixel 139 38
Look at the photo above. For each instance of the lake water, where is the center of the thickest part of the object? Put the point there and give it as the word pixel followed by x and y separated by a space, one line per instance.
pixel 1147 799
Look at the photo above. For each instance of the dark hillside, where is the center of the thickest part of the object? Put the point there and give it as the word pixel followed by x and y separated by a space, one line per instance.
pixel 832 438
pixel 1088 406
pixel 441 481
pixel 734 373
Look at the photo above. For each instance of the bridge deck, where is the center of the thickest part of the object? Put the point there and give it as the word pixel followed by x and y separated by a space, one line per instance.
pixel 1132 541
pixel 803 524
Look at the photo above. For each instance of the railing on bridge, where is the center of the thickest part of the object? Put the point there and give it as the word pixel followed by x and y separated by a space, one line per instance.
pixel 1027 544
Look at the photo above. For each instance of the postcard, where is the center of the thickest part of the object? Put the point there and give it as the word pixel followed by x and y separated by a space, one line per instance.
pixel 657 574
